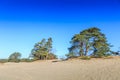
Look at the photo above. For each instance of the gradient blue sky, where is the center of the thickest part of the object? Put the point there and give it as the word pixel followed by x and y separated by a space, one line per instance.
pixel 25 22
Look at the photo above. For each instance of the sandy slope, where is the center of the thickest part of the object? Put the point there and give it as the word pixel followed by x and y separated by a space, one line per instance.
pixel 98 69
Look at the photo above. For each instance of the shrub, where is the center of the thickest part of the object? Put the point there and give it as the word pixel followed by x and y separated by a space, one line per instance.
pixel 3 60
pixel 26 60
pixel 85 58
pixel 14 57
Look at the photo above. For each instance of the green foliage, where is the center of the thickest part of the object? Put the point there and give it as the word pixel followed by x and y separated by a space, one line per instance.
pixel 89 40
pixel 85 58
pixel 51 56
pixel 3 60
pixel 14 57
pixel 26 60
pixel 42 50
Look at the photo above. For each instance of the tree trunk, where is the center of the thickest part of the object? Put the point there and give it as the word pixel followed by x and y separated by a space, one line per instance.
pixel 46 56
pixel 86 51
pixel 81 49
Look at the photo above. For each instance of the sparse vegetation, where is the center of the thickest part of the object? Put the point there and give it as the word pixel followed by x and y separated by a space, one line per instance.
pixel 85 58
pixel 89 43
pixel 3 60
pixel 26 60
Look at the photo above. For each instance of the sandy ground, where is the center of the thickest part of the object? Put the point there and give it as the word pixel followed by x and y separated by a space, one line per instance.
pixel 95 69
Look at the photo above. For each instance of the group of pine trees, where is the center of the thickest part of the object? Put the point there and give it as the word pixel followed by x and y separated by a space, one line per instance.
pixel 89 42
pixel 43 50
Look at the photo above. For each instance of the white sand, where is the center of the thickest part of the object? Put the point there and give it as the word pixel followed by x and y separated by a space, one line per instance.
pixel 95 69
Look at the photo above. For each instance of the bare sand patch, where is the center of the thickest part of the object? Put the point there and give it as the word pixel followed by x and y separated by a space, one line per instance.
pixel 95 69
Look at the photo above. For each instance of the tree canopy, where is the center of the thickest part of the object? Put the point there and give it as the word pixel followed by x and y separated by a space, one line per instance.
pixel 15 57
pixel 43 50
pixel 91 41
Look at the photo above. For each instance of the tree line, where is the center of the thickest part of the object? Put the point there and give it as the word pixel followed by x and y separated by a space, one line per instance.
pixel 41 51
pixel 89 42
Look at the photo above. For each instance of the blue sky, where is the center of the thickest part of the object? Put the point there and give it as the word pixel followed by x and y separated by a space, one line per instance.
pixel 25 22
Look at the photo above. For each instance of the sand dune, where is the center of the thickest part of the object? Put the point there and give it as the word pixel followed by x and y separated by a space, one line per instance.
pixel 95 69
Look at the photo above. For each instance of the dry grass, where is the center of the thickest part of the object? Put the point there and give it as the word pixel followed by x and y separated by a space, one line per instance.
pixel 94 69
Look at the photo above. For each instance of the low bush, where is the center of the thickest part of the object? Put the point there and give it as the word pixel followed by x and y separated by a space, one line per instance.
pixel 26 60
pixel 3 60
pixel 85 58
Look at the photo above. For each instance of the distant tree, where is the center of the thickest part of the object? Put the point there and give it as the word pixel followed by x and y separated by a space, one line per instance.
pixel 42 49
pixel 14 57
pixel 90 40
pixel 115 53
